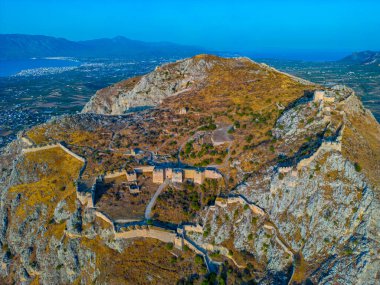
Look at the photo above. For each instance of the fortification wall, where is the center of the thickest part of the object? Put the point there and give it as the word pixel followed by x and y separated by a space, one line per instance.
pixel 72 153
pixel 306 161
pixel 191 228
pixel 50 146
pixel 115 174
pixel 189 173
pixel 332 146
pixel 144 169
pixel 212 174
pixel 221 202
pixel 85 199
pixel 223 251
pixel 329 99
pixel 104 218
pixel 329 146
pixel 256 210
pixel 237 199
pixel 285 169
pixel 156 233
pixel 27 141
pixel 39 148
pixel 193 248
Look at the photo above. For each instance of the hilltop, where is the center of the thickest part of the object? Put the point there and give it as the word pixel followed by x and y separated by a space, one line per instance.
pixel 19 46
pixel 208 169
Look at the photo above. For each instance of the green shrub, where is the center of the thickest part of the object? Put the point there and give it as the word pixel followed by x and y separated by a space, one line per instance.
pixel 169 245
pixel 198 259
pixel 358 168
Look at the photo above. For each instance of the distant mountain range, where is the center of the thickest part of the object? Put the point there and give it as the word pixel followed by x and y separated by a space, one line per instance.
pixel 363 58
pixel 18 46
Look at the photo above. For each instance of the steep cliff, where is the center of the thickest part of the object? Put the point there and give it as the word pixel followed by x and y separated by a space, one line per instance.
pixel 297 201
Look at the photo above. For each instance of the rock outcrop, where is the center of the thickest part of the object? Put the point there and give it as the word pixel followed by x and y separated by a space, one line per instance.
pixel 151 89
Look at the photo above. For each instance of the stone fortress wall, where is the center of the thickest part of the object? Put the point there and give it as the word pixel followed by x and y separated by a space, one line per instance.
pixel 223 202
pixel 320 95
pixel 325 146
pixel 178 238
pixel 161 234
pixel 177 175
pixel 50 146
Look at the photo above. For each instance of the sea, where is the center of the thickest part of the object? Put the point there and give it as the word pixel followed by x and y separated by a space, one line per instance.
pixel 13 67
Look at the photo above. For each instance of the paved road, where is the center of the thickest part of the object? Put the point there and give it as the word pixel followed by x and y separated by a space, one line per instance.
pixel 148 209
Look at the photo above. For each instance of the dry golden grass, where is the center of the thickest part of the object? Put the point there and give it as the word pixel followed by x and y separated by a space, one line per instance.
pixel 143 261
pixel 361 143
pixel 300 271
pixel 56 185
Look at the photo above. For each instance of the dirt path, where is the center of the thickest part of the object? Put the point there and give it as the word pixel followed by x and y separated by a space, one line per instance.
pixel 148 209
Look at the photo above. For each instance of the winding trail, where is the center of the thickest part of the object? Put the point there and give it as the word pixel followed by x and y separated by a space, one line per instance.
pixel 148 209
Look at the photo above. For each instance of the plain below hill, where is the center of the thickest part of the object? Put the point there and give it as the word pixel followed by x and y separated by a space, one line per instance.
pixel 19 46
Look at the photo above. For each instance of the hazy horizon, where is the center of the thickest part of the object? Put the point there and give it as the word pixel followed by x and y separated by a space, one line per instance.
pixel 270 27
pixel 286 54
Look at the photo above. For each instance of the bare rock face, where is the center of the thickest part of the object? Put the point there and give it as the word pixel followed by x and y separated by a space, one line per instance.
pixel 149 90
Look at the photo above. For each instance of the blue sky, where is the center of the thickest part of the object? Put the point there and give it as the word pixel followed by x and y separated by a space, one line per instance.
pixel 270 25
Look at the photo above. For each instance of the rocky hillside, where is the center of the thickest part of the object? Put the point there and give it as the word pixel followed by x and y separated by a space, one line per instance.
pixel 297 201
pixel 150 90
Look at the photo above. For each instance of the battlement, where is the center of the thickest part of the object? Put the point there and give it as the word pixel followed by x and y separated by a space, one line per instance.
pixel 320 96
pixel 285 169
